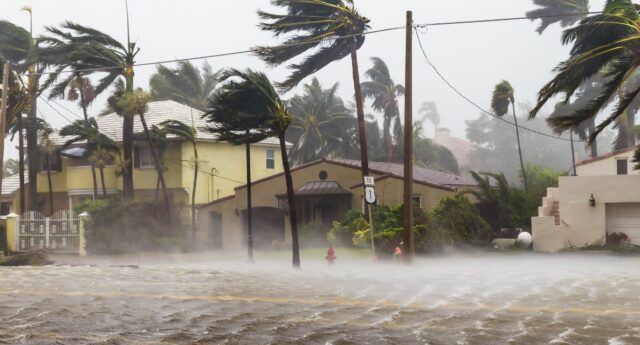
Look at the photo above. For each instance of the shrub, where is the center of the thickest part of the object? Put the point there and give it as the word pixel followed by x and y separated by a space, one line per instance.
pixel 115 227
pixel 456 219
pixel 342 233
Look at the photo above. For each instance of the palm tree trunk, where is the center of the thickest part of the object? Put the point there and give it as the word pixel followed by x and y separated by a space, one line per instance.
pixel 33 151
pixel 631 123
pixel 156 161
pixel 95 180
pixel 21 165
pixel 104 186
pixel 524 173
pixel 86 120
pixel 388 143
pixel 364 155
pixel 249 205
pixel 127 143
pixel 594 144
pixel 193 193
pixel 293 219
pixel 48 161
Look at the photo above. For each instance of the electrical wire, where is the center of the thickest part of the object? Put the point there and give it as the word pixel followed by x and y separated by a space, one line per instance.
pixel 54 109
pixel 463 96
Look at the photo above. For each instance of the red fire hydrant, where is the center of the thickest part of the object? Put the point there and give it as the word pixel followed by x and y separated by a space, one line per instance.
pixel 331 255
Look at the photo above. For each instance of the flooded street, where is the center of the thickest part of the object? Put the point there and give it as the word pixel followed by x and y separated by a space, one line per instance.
pixel 487 299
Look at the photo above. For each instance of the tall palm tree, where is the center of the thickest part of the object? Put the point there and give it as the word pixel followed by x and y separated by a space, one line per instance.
pixel 604 45
pixel 190 135
pixel 10 167
pixel 18 47
pixel 320 123
pixel 48 147
pixel 136 103
pixel 429 111
pixel 326 31
pixel 503 96
pixel 384 92
pixel 85 51
pixel 186 84
pixel 565 12
pixel 249 99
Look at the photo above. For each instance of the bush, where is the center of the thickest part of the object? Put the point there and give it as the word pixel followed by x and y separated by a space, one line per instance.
pixel 458 220
pixel 117 227
pixel 342 233
pixel 4 246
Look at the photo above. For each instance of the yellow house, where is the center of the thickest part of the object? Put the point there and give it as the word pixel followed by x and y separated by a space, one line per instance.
pixel 324 191
pixel 221 165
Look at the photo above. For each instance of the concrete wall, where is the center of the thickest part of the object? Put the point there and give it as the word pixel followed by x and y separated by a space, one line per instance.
pixel 580 223
pixel 607 166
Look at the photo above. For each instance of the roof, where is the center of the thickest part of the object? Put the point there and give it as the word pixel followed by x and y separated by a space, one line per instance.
pixel 158 111
pixel 605 156
pixel 423 175
pixel 321 188
pixel 11 184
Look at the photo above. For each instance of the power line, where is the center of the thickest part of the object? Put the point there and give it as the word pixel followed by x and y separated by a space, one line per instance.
pixel 254 50
pixel 456 90
pixel 67 109
pixel 54 109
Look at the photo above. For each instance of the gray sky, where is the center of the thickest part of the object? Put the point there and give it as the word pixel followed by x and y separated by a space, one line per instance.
pixel 473 57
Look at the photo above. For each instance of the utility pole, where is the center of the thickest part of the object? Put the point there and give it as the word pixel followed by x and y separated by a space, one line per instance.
pixel 3 117
pixel 407 219
pixel 249 203
pixel 573 154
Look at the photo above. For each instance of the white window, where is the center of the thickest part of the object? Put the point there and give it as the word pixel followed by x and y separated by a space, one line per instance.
pixel 417 198
pixel 143 157
pixel 271 159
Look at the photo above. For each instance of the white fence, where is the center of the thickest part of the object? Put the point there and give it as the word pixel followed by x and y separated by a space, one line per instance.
pixel 58 234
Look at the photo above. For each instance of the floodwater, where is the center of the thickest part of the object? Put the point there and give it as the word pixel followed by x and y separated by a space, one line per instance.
pixel 482 299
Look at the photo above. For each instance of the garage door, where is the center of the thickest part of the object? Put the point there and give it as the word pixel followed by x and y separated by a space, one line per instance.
pixel 624 218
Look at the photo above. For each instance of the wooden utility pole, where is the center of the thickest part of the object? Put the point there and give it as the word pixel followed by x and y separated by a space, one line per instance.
pixel 3 117
pixel 409 250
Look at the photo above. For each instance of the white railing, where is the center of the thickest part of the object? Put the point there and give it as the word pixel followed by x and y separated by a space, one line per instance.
pixel 59 233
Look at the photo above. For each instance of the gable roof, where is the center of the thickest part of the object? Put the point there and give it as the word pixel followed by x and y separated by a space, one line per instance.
pixel 158 111
pixel 11 184
pixel 605 156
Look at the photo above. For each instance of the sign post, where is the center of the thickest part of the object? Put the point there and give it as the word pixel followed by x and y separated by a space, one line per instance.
pixel 370 199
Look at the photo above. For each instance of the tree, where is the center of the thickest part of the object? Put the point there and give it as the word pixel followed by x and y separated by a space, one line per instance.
pixel 384 92
pixel 48 147
pixel 10 167
pixel 249 99
pixel 603 45
pixel 429 111
pixel 18 47
pixel 136 103
pixel 564 12
pixel 320 123
pixel 85 51
pixel 326 31
pixel 98 145
pixel 190 135
pixel 186 84
pixel 428 154
pixel 503 96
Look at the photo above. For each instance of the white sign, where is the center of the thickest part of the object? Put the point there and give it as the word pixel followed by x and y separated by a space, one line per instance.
pixel 370 195
pixel 369 181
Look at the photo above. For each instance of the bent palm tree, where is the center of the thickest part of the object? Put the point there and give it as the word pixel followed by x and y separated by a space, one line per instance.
pixel 186 84
pixel 320 123
pixel 84 51
pixel 604 45
pixel 429 111
pixel 248 99
pixel 48 147
pixel 384 92
pixel 190 135
pixel 326 31
pixel 503 96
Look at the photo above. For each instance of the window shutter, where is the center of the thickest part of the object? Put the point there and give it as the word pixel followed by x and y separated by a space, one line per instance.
pixel 136 157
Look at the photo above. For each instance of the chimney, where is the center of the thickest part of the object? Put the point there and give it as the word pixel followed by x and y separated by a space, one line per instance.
pixel 442 135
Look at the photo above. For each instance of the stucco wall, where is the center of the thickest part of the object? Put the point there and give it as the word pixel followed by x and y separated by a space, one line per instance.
pixel 581 223
pixel 606 166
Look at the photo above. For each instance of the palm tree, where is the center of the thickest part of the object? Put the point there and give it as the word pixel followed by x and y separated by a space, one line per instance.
pixel 186 84
pixel 320 123
pixel 249 100
pixel 87 132
pixel 429 111
pixel 18 47
pixel 136 103
pixel 325 30
pixel 10 167
pixel 85 51
pixel 190 135
pixel 604 45
pixel 503 96
pixel 384 92
pixel 48 147
pixel 565 12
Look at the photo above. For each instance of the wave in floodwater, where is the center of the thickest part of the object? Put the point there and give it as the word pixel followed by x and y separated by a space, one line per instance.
pixel 501 299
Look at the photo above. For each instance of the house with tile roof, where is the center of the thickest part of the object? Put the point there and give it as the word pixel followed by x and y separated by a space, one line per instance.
pixel 324 191
pixel 221 170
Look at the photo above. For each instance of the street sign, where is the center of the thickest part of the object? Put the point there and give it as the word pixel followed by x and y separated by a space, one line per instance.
pixel 369 181
pixel 370 195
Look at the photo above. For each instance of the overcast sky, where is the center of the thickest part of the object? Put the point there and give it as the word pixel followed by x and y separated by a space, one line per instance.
pixel 474 57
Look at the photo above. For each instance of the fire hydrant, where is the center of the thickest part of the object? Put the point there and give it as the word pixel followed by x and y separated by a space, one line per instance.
pixel 331 255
